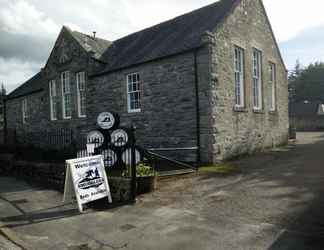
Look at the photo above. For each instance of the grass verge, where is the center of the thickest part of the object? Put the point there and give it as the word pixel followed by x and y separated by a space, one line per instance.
pixel 222 169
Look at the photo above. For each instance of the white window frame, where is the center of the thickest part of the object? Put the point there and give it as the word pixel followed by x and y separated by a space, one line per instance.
pixel 66 93
pixel 24 110
pixel 272 87
pixel 239 91
pixel 53 99
pixel 257 79
pixel 134 89
pixel 81 80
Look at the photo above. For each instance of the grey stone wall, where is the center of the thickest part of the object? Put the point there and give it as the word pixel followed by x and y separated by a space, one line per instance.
pixel 168 113
pixel 245 131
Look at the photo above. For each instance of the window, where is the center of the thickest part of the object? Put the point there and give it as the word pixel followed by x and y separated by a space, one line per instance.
pixel 257 84
pixel 239 77
pixel 24 110
pixel 66 95
pixel 133 93
pixel 272 87
pixel 53 99
pixel 81 94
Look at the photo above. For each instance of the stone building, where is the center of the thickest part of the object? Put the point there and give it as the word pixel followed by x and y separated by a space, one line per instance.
pixel 205 86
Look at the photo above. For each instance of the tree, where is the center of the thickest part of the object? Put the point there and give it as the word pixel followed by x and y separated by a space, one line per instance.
pixel 3 90
pixel 307 83
pixel 296 72
pixel 293 78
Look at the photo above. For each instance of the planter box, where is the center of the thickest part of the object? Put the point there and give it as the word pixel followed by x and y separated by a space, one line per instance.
pixel 146 184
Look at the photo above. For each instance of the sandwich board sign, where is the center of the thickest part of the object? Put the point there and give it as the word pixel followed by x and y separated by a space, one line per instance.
pixel 86 179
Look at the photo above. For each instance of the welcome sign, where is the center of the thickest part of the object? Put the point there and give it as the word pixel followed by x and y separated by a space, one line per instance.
pixel 86 179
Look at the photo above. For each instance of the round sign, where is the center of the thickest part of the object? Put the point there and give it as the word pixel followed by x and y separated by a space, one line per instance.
pixel 95 137
pixel 119 138
pixel 110 157
pixel 127 156
pixel 106 120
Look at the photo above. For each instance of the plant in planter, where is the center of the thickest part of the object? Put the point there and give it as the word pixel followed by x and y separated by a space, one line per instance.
pixel 145 178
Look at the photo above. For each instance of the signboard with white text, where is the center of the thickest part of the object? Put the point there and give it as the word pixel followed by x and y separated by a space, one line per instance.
pixel 87 180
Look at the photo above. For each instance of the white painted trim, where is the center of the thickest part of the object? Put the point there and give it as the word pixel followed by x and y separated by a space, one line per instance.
pixel 63 94
pixel 128 94
pixel 260 92
pixel 78 93
pixel 242 76
pixel 273 90
pixel 51 99
pixel 24 107
pixel 173 149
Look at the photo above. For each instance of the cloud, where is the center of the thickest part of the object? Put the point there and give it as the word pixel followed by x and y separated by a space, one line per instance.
pixel 20 17
pixel 158 11
pixel 24 47
pixel 306 46
pixel 290 17
pixel 15 72
pixel 28 28
pixel 107 17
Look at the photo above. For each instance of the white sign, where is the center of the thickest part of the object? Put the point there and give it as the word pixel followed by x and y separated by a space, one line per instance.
pixel 127 156
pixel 119 138
pixel 106 120
pixel 110 157
pixel 88 179
pixel 95 137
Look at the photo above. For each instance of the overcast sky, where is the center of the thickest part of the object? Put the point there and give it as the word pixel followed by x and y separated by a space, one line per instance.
pixel 28 28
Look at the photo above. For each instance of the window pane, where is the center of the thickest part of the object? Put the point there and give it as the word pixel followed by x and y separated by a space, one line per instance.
pixel 133 89
pixel 82 104
pixel 239 76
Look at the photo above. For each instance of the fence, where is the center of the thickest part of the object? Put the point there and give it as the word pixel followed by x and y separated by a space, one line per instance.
pixel 62 144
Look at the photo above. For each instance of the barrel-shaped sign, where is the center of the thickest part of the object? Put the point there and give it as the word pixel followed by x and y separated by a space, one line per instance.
pixel 106 120
pixel 119 138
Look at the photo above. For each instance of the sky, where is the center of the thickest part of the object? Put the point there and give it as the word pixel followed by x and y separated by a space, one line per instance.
pixel 29 28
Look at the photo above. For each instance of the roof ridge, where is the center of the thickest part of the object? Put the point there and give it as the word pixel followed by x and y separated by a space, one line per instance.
pixel 95 38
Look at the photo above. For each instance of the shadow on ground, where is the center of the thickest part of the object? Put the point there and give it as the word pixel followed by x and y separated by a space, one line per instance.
pixel 299 172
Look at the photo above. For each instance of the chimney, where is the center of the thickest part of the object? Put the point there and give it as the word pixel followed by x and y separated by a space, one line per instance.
pixel 94 34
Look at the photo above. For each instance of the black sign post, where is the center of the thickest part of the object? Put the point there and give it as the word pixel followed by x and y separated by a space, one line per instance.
pixel 133 162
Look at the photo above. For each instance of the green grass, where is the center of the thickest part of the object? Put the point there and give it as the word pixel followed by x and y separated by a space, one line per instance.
pixel 222 168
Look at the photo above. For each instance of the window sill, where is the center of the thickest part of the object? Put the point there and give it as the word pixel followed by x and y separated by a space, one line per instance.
pixel 273 112
pixel 240 109
pixel 134 111
pixel 258 111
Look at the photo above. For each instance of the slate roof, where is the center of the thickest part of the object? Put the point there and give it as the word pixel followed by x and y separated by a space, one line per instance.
pixel 171 37
pixel 90 44
pixel 33 85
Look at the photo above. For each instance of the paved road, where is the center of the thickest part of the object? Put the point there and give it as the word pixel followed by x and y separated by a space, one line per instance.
pixel 276 203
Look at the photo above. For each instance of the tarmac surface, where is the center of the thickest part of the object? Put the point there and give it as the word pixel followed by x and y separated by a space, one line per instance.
pixel 275 203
